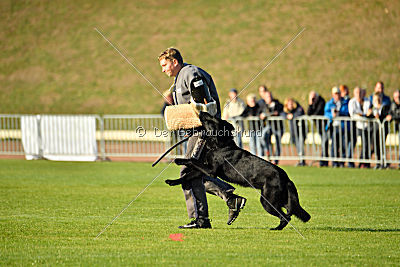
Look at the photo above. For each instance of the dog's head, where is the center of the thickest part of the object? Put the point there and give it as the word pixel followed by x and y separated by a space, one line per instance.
pixel 217 131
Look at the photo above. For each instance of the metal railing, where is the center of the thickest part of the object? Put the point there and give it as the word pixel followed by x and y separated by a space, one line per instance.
pixel 10 135
pixel 311 139
pixel 135 135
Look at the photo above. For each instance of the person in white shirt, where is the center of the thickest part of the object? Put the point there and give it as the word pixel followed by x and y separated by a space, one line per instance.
pixel 358 109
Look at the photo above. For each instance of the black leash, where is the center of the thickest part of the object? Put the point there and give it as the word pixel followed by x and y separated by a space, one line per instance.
pixel 169 150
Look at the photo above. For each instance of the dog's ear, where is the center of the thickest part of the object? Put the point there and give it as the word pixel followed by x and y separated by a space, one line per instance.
pixel 228 125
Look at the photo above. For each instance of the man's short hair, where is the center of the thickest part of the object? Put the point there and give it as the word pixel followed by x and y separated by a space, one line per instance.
pixel 264 87
pixel 171 53
pixel 233 90
pixel 251 97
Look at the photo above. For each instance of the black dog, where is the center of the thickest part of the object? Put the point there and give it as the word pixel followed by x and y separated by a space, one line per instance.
pixel 223 158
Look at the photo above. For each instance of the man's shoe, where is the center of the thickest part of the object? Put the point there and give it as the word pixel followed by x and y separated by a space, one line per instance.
pixel 204 223
pixel 196 224
pixel 235 207
pixel 301 164
pixel 192 224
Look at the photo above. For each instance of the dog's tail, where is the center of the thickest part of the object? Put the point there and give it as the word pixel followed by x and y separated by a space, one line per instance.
pixel 294 203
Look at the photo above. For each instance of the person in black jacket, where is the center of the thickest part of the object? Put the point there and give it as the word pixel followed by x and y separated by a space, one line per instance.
pixel 316 105
pixel 252 112
pixel 271 107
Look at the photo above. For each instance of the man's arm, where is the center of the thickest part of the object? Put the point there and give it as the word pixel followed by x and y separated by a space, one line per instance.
pixel 200 95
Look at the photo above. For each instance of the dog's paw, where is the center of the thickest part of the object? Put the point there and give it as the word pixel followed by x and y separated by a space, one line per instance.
pixel 173 182
pixel 181 161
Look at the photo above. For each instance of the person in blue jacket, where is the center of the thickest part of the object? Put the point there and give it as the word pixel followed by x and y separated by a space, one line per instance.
pixel 336 107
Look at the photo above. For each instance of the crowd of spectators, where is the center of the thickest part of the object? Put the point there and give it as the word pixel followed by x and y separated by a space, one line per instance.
pixel 266 121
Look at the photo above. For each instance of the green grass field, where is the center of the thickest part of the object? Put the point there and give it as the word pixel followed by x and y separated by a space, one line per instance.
pixel 51 212
pixel 53 61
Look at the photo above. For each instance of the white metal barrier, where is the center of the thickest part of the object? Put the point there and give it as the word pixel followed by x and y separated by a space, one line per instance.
pixel 311 139
pixel 54 137
pixel 391 141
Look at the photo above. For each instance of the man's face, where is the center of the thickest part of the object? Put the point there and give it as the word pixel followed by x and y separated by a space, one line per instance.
pixel 396 97
pixel 357 93
pixel 268 97
pixel 344 92
pixel 378 88
pixel 251 102
pixel 313 95
pixel 290 104
pixel 170 67
pixel 232 96
pixel 336 96
pixel 261 91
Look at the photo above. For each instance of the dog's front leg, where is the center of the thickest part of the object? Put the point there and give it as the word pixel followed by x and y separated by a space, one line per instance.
pixel 195 164
pixel 203 168
pixel 185 162
pixel 174 182
pixel 185 177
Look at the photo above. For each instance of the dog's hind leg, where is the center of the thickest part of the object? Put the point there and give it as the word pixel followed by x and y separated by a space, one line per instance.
pixel 294 204
pixel 271 202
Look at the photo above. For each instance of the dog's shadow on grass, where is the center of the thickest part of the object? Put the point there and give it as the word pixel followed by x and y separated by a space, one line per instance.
pixel 353 229
pixel 248 228
pixel 328 228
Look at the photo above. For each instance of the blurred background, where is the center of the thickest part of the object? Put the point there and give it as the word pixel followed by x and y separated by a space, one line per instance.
pixel 53 61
